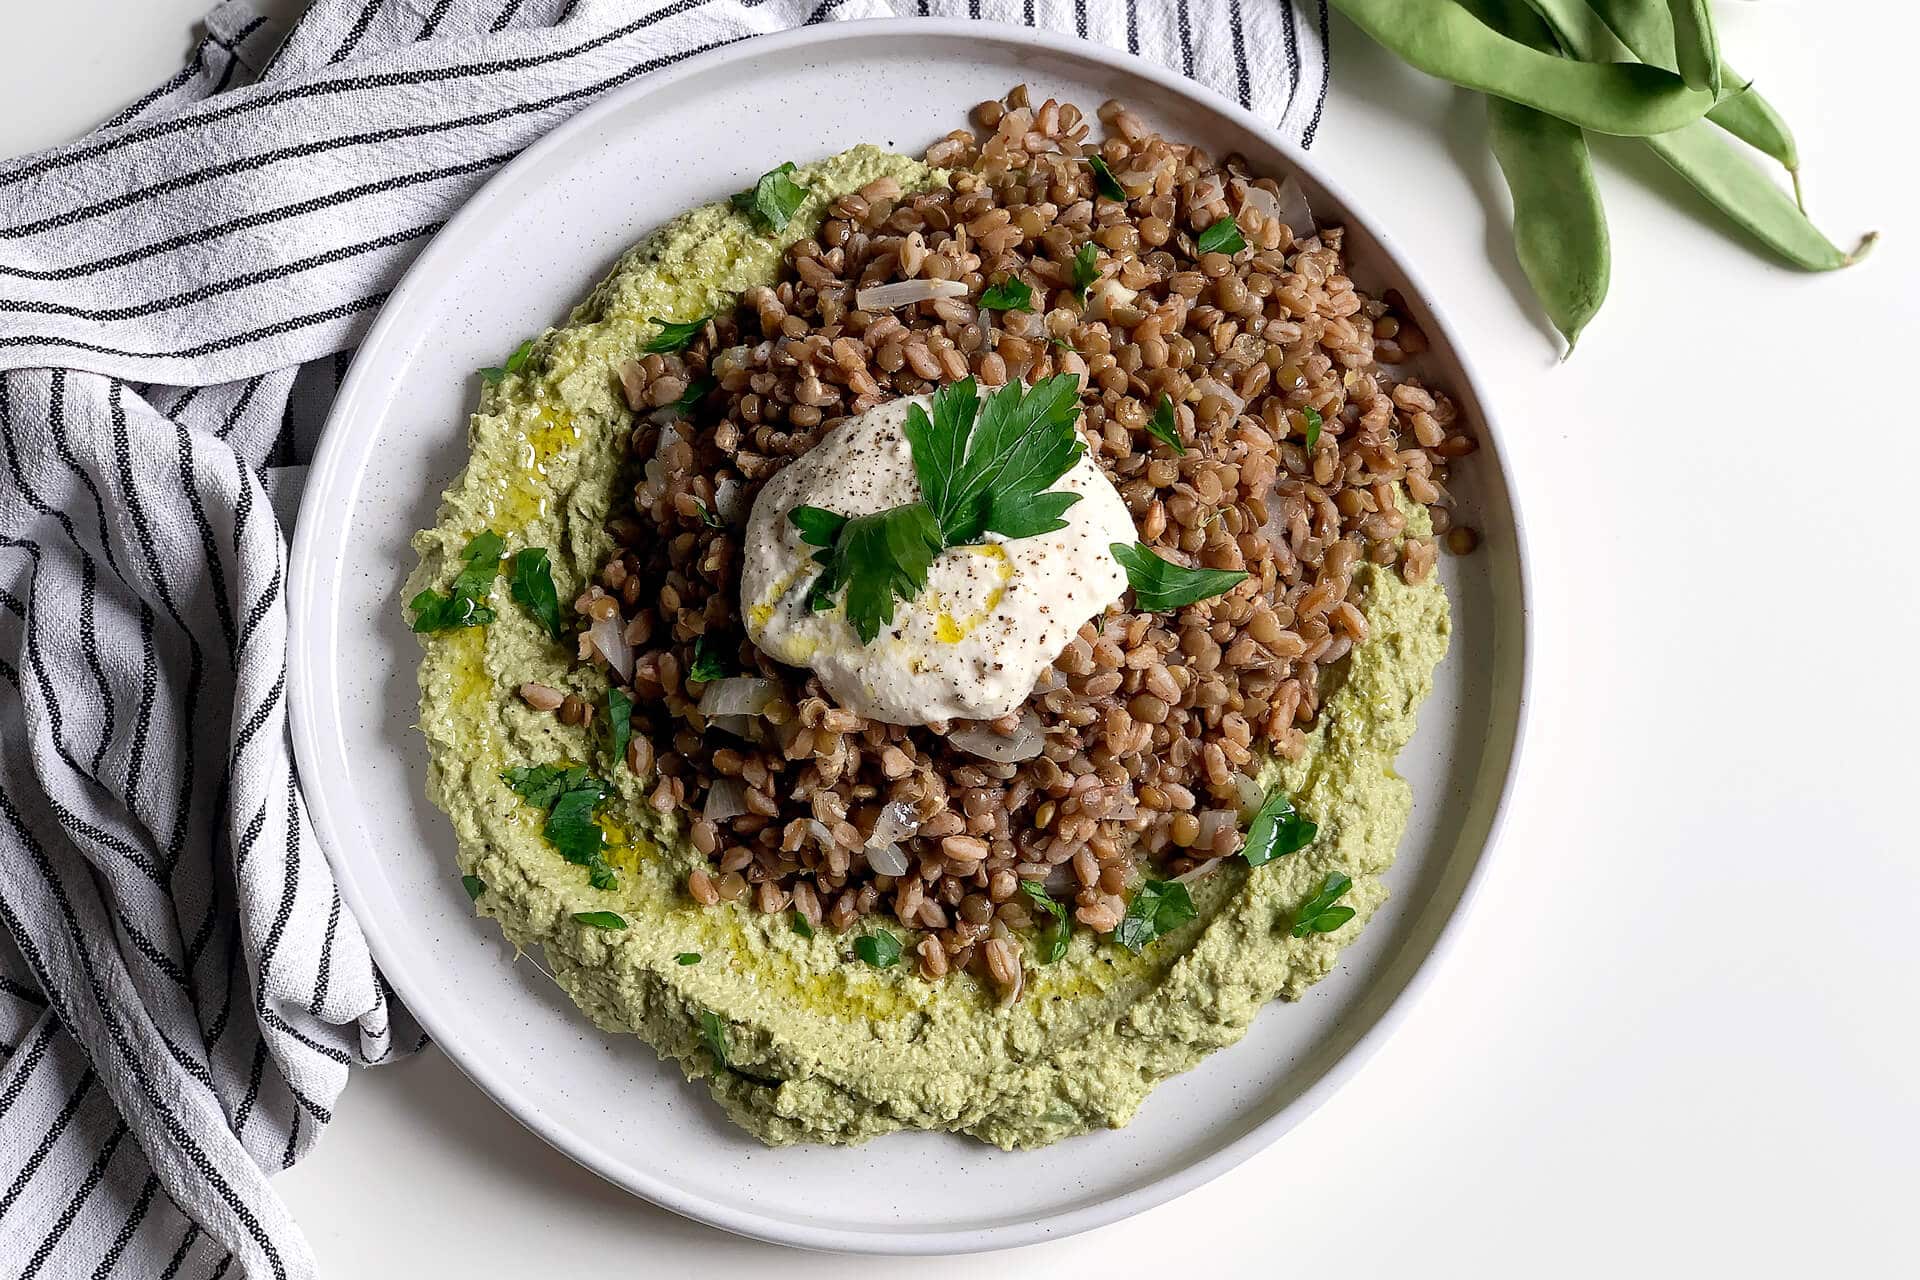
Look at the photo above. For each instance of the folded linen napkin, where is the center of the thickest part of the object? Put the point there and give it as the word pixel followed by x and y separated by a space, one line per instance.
pixel 181 993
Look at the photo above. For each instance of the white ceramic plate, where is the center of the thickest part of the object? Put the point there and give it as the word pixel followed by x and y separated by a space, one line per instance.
pixel 514 260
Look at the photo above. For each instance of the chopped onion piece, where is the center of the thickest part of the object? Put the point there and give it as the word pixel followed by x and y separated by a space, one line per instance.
pixel 887 860
pixel 904 293
pixel 726 798
pixel 1027 741
pixel 1211 822
pixel 736 696
pixel 821 836
pixel 751 728
pixel 1200 872
pixel 1262 202
pixel 729 500
pixel 1106 294
pixel 610 638
pixel 1251 794
pixel 1212 386
pixel 1294 209
pixel 895 823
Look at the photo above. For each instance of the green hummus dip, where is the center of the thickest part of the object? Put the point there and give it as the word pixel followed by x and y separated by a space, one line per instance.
pixel 821 1047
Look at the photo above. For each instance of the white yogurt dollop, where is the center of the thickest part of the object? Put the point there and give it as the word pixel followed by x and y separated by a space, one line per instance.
pixel 993 615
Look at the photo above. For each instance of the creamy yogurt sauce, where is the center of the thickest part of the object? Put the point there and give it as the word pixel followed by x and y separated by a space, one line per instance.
pixel 993 615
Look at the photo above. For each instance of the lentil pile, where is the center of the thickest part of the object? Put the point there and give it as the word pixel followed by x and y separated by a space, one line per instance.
pixel 1150 722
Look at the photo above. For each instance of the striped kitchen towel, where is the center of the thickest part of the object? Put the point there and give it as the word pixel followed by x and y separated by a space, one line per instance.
pixel 181 994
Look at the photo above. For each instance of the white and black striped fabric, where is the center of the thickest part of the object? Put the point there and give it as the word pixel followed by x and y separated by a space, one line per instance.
pixel 181 994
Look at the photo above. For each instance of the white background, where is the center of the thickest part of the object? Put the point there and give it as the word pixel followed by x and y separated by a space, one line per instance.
pixel 1682 1035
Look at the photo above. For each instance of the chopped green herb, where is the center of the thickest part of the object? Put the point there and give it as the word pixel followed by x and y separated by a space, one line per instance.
pixel 1159 585
pixel 1318 914
pixel 1222 237
pixel 1161 426
pixel 474 886
pixel 1314 423
pixel 708 516
pixel 1011 294
pixel 687 957
pixel 463 604
pixel 1085 272
pixel 674 335
pixel 1103 180
pixel 1060 342
pixel 696 392
pixel 714 1032
pixel 515 363
pixel 802 927
pixel 879 949
pixel 619 723
pixel 600 919
pixel 1276 831
pixel 532 586
pixel 774 199
pixel 1058 930
pixel 1160 907
pixel 708 664
pixel 571 796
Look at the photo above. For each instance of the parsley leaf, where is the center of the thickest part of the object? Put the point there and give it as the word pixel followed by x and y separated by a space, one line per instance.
pixel 687 957
pixel 1103 180
pixel 1318 914
pixel 1222 237
pixel 1159 585
pixel 1158 909
pixel 474 886
pixel 1011 294
pixel 714 1032
pixel 1314 423
pixel 570 795
pixel 674 335
pixel 696 392
pixel 462 605
pixel 773 199
pixel 1161 427
pixel 532 586
pixel 515 363
pixel 707 665
pixel 1276 831
pixel 708 516
pixel 1084 270
pixel 876 558
pixel 619 722
pixel 802 926
pixel 879 949
pixel 600 919
pixel 1054 937
pixel 1060 342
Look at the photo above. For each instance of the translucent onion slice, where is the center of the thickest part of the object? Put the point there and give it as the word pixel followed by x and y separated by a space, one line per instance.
pixel 1200 872
pixel 751 728
pixel 895 823
pixel 736 696
pixel 904 293
pixel 1212 386
pixel 887 860
pixel 726 798
pixel 610 638
pixel 730 500
pixel 1294 209
pixel 1026 742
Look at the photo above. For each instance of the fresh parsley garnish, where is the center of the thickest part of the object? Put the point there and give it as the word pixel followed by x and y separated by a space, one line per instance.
pixel 708 665
pixel 674 335
pixel 1103 180
pixel 1011 294
pixel 474 886
pixel 708 516
pixel 600 919
pixel 1318 914
pixel 1084 270
pixel 1058 930
pixel 696 392
pixel 1314 423
pixel 515 363
pixel 984 467
pixel 1159 585
pixel 1158 909
pixel 802 927
pixel 687 957
pixel 714 1032
pixel 619 722
pixel 879 949
pixel 1161 426
pixel 532 585
pixel 1222 237
pixel 1277 830
pixel 773 199
pixel 462 605
pixel 1055 339
pixel 570 795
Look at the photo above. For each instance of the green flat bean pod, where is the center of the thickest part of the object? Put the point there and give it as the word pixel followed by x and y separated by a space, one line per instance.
pixel 1445 40
pixel 1559 225
pixel 1752 202
pixel 1696 46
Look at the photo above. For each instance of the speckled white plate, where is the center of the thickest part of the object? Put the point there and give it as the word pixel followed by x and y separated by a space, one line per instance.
pixel 515 259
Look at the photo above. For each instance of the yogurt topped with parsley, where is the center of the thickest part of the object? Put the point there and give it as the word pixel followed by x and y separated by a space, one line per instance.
pixel 993 613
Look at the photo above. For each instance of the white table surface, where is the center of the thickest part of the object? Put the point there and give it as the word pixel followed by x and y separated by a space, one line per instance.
pixel 1681 1036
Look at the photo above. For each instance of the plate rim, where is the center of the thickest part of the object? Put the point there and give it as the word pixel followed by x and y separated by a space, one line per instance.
pixel 308 714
